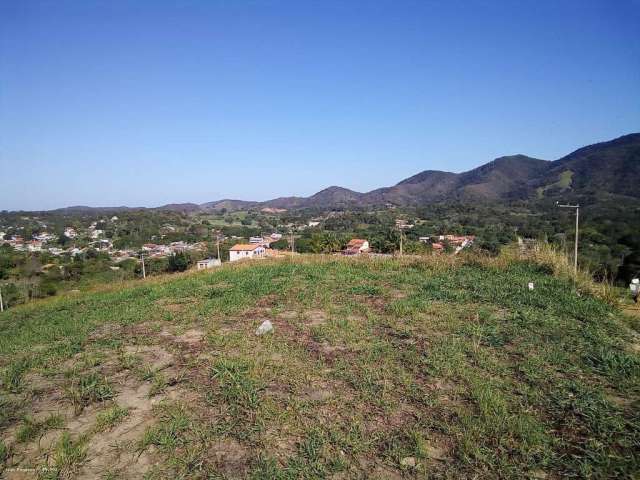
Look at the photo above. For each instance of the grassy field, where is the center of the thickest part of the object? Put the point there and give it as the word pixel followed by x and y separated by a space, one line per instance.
pixel 387 368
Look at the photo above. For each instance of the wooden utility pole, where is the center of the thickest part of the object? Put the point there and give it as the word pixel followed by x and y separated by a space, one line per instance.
pixel 293 249
pixel 144 273
pixel 400 228
pixel 1 304
pixel 218 245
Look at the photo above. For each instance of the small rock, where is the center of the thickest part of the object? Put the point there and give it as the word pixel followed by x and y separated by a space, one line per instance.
pixel 538 474
pixel 264 327
pixel 530 285
pixel 408 462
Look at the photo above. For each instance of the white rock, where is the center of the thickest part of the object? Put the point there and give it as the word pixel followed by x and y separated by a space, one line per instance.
pixel 530 285
pixel 264 327
pixel 408 462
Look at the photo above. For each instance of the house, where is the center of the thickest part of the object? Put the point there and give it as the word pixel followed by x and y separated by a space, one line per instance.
pixel 256 239
pixel 313 223
pixel 276 236
pixel 34 246
pixel 94 234
pixel 208 263
pixel 70 232
pixel 245 250
pixel 356 246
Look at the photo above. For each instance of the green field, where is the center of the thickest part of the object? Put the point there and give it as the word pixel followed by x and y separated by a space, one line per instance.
pixel 376 368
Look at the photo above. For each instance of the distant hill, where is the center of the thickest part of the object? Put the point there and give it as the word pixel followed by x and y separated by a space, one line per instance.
pixel 610 167
pixel 607 168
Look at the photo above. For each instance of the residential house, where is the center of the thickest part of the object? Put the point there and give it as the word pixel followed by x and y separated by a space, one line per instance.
pixel 208 263
pixel 34 246
pixel 356 246
pixel 245 250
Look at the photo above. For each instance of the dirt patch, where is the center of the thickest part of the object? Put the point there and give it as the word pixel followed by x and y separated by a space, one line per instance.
pixel 116 450
pixel 318 394
pixel 288 315
pixel 398 294
pixel 153 355
pixel 267 301
pixel 229 457
pixel 315 318
pixel 191 337
pixel 377 470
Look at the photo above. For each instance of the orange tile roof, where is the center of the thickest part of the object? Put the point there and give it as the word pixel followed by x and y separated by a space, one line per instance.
pixel 355 242
pixel 243 247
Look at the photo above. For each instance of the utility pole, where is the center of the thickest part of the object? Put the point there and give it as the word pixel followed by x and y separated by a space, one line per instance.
pixel 575 253
pixel 400 228
pixel 218 245
pixel 1 304
pixel 293 249
pixel 144 273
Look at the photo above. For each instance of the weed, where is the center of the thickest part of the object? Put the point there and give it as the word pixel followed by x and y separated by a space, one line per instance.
pixel 110 417
pixel 69 454
pixel 12 375
pixel 87 389
pixel 31 429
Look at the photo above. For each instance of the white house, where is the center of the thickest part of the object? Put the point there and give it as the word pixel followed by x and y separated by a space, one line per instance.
pixel 208 263
pixel 244 250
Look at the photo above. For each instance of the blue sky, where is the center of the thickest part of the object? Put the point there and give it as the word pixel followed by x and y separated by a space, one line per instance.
pixel 145 103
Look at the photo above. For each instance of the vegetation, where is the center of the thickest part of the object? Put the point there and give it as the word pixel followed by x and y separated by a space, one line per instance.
pixel 438 366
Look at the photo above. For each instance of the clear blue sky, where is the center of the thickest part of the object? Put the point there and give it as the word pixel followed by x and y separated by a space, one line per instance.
pixel 144 103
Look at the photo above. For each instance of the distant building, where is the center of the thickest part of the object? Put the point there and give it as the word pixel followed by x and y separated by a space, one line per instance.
pixel 256 239
pixel 208 263
pixel 34 246
pixel 313 223
pixel 356 246
pixel 437 247
pixel 244 250
pixel 276 236
pixel 70 232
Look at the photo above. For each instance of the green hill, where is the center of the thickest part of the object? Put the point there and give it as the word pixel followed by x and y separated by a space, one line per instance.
pixel 376 368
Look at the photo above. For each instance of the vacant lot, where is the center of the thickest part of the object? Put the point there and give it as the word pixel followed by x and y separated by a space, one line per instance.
pixel 374 369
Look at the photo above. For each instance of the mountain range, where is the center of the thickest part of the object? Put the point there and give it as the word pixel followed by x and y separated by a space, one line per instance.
pixel 609 168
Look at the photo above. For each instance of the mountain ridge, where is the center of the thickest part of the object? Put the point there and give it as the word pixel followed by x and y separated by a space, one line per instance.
pixel 611 167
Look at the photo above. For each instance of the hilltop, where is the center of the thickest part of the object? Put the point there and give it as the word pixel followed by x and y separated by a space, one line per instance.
pixel 439 367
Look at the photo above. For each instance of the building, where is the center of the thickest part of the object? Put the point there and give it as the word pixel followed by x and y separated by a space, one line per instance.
pixel 256 239
pixel 245 250
pixel 70 232
pixel 208 263
pixel 34 246
pixel 356 246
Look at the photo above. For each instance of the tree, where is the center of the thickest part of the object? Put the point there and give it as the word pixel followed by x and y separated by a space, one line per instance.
pixel 281 244
pixel 178 262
